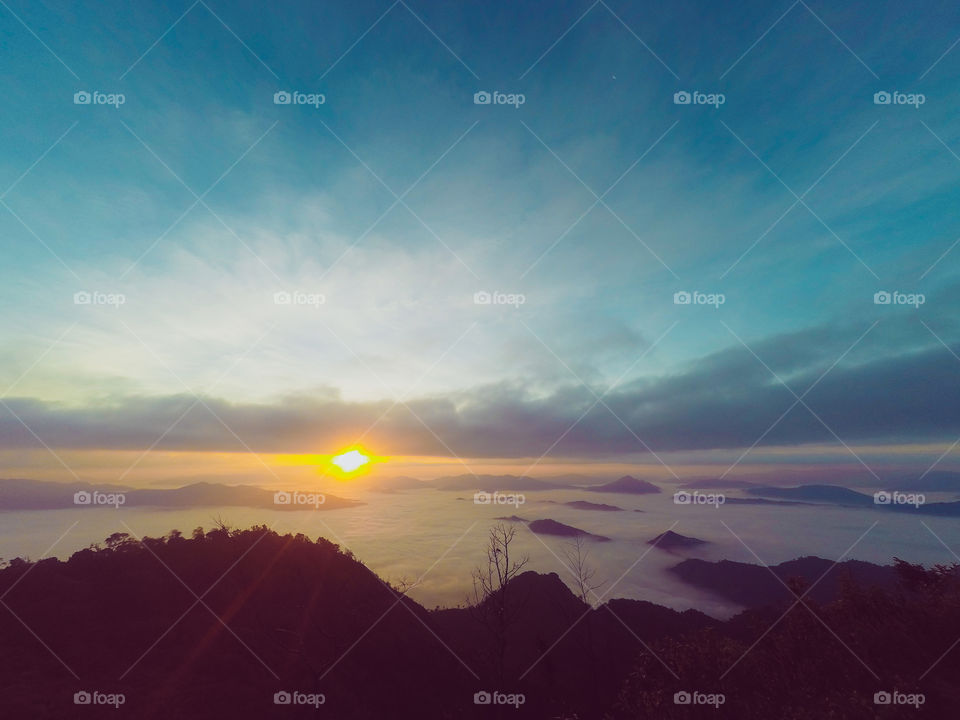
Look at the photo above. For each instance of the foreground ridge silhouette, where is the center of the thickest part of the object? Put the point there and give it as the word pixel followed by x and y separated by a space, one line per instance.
pixel 283 621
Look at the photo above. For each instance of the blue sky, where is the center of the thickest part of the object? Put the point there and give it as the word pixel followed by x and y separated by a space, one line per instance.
pixel 501 199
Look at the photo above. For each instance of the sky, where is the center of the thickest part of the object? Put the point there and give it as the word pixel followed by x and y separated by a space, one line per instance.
pixel 198 271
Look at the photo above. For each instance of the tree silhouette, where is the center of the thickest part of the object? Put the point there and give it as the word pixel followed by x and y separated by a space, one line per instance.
pixel 583 574
pixel 493 606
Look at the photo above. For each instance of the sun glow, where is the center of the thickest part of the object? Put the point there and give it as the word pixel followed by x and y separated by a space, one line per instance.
pixel 350 461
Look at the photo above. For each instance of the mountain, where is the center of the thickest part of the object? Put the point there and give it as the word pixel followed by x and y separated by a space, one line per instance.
pixel 21 494
pixel 46 495
pixel 837 495
pixel 762 501
pixel 388 484
pixel 125 619
pixel 834 494
pixel 950 509
pixel 626 484
pixel 586 505
pixel 282 616
pixel 284 613
pixel 490 483
pixel 756 586
pixel 552 527
pixel 717 484
pixel 669 539
pixel 807 660
pixel 567 479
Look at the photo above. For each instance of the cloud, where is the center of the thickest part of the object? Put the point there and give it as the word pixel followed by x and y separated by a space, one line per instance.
pixel 726 400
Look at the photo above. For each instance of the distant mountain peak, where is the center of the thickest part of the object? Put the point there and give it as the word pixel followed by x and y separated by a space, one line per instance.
pixel 552 527
pixel 626 484
pixel 670 539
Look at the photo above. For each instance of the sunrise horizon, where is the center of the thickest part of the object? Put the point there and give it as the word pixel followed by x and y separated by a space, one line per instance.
pixel 586 360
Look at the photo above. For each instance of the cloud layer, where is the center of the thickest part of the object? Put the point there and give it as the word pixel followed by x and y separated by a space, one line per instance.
pixel 730 399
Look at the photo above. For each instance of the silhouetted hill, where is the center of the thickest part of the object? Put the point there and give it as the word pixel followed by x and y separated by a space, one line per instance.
pixel 575 656
pixel 816 493
pixel 585 505
pixel 837 495
pixel 755 586
pixel 949 509
pixel 125 618
pixel 490 483
pixel 626 484
pixel 388 484
pixel 212 626
pixel 806 660
pixel 46 495
pixel 552 527
pixel 23 494
pixel 669 540
pixel 717 484
pixel 762 501
pixel 284 613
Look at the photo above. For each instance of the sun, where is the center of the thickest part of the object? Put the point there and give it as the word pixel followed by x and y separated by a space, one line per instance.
pixel 350 461
pixel 347 464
